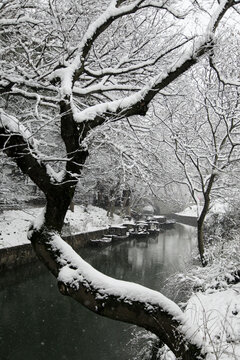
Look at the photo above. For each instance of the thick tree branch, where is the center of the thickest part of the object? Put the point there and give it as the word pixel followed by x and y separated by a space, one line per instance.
pixel 20 20
pixel 137 104
pixel 116 299
pixel 16 141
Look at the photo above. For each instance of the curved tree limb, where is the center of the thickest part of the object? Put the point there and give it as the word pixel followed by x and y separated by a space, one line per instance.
pixel 116 299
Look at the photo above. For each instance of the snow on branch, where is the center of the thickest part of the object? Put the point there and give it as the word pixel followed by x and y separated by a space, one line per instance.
pixel 21 81
pixel 74 269
pixel 99 88
pixel 20 20
pixel 41 100
pixel 23 149
pixel 176 12
pixel 109 108
pixel 69 74
pixel 136 103
pixel 143 64
pixel 12 124
pixel 132 303
pixel 223 6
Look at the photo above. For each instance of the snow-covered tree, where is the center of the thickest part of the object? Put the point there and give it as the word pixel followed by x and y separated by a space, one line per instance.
pixel 66 69
pixel 126 157
pixel 203 132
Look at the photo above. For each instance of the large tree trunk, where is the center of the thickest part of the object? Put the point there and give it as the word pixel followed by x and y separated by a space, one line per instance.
pixel 201 219
pixel 200 238
pixel 126 208
pixel 56 208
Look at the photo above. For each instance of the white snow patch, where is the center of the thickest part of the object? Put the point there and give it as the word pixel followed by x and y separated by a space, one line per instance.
pixel 217 317
pixel 55 176
pixel 88 218
pixel 219 207
pixel 14 225
pixel 37 222
pixel 13 125
pixel 190 211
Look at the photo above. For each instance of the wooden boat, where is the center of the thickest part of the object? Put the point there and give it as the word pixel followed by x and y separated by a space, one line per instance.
pixel 120 237
pixel 140 229
pixel 161 219
pixel 169 224
pixel 106 239
pixel 153 227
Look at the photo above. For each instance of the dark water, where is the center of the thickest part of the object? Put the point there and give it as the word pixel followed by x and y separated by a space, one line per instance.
pixel 37 323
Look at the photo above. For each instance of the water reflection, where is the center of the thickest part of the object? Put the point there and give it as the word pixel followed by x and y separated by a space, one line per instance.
pixel 38 324
pixel 149 261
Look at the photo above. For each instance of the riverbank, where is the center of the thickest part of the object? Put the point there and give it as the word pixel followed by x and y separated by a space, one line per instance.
pixel 14 224
pixel 86 223
pixel 14 256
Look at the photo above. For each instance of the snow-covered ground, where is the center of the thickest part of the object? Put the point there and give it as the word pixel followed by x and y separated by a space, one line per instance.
pixel 217 315
pixel 190 211
pixel 216 318
pixel 218 207
pixel 14 224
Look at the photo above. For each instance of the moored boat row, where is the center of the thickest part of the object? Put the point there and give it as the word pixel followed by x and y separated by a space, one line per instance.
pixel 149 226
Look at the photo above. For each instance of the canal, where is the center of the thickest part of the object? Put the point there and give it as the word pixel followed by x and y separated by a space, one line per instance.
pixel 37 323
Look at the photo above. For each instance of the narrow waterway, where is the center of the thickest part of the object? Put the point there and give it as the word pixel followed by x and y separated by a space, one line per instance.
pixel 37 323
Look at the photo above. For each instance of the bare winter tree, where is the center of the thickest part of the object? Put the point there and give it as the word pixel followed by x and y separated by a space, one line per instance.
pixel 69 68
pixel 203 132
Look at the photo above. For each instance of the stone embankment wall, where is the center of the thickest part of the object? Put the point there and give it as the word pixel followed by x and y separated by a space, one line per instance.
pixel 24 254
pixel 184 219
